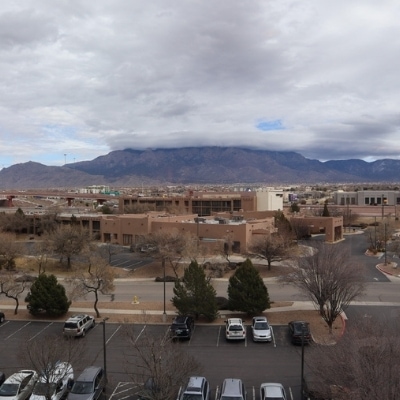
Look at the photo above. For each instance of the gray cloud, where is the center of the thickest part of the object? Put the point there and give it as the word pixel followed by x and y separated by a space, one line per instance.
pixel 84 78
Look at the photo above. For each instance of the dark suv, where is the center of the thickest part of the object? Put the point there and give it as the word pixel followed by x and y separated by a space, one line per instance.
pixel 182 327
pixel 299 332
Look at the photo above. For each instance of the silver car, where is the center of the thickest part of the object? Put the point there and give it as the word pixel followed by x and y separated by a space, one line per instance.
pixel 54 383
pixel 260 329
pixel 18 386
pixel 272 391
pixel 197 388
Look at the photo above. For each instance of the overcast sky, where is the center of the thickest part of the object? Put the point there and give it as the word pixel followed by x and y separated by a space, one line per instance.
pixel 82 78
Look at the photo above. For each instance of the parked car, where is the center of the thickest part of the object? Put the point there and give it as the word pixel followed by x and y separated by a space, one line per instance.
pixel 2 377
pixel 235 329
pixel 18 386
pixel 261 330
pixel 272 391
pixel 78 325
pixel 300 332
pixel 182 327
pixel 89 385
pixel 2 317
pixel 54 383
pixel 233 389
pixel 197 388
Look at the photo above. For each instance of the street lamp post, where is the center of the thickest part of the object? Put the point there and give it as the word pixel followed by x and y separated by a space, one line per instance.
pixel 382 207
pixel 302 361
pixel 164 309
pixel 385 246
pixel 104 347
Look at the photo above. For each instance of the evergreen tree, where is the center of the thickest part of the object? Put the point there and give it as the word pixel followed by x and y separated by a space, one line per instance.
pixel 325 212
pixel 194 293
pixel 246 290
pixel 47 296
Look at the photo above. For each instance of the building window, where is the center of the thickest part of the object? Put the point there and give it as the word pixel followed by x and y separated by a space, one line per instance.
pixel 127 239
pixel 366 201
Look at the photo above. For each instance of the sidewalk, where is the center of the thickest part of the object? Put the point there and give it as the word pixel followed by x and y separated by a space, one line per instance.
pixel 295 306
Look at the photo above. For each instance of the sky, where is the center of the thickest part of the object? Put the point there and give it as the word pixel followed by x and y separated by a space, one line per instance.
pixel 80 79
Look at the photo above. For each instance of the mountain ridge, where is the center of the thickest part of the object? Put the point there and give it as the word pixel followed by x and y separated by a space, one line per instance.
pixel 197 165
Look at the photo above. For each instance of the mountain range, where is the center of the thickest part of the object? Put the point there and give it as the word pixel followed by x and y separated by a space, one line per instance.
pixel 198 165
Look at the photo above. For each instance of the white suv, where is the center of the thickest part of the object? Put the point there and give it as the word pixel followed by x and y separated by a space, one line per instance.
pixel 78 325
pixel 235 329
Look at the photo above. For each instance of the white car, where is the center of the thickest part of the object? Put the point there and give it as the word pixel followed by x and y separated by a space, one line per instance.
pixel 18 386
pixel 54 383
pixel 235 329
pixel 272 391
pixel 261 330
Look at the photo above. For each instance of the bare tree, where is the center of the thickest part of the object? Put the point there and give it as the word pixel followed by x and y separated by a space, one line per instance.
pixel 300 228
pixel 99 279
pixel 171 247
pixel 159 359
pixel 328 278
pixel 12 287
pixel 273 247
pixel 379 234
pixel 44 354
pixel 69 241
pixel 365 361
pixel 9 250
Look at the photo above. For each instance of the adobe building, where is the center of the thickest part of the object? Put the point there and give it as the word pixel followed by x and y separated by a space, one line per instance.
pixel 129 229
pixel 332 227
pixel 207 203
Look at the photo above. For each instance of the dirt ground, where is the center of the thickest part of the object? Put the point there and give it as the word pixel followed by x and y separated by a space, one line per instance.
pixel 151 312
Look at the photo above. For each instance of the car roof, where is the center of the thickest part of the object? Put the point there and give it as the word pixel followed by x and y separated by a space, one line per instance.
pixel 260 319
pixel 195 384
pixel 180 319
pixel 18 376
pixel 59 371
pixel 272 389
pixel 235 321
pixel 88 374
pixel 77 317
pixel 232 386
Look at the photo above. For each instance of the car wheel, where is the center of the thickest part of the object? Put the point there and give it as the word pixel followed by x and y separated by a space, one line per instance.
pixel 1 319
pixel 94 323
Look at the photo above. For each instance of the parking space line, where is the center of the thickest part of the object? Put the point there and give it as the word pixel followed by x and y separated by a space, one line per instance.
pixel 119 327
pixel 33 337
pixel 273 336
pixel 140 334
pixel 219 334
pixel 20 329
pixel 4 324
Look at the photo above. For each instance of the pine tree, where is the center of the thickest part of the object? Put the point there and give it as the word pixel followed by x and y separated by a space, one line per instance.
pixel 325 212
pixel 246 290
pixel 47 296
pixel 194 293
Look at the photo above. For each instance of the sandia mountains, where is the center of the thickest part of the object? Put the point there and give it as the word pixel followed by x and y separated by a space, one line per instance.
pixel 198 165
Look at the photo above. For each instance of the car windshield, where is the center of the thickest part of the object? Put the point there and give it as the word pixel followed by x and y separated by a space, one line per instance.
pixel 235 328
pixel 178 326
pixel 9 389
pixel 82 388
pixel 261 326
pixel 44 389
pixel 192 396
pixel 231 398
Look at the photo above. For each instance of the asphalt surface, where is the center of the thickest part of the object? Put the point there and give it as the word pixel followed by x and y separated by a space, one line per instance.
pixel 254 363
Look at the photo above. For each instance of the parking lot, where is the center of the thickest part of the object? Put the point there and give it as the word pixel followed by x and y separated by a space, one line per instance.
pixel 254 363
